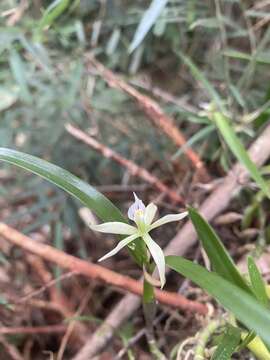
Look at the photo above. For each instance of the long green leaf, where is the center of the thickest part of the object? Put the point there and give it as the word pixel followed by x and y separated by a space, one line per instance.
pixel 244 306
pixel 89 196
pixel 53 12
pixel 220 259
pixel 239 151
pixel 257 283
pixel 65 180
pixel 147 21
pixel 228 344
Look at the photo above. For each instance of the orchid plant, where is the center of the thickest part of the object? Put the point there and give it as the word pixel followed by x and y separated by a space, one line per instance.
pixel 248 301
pixel 143 217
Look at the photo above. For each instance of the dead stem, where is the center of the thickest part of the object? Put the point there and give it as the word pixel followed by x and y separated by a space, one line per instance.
pixel 97 272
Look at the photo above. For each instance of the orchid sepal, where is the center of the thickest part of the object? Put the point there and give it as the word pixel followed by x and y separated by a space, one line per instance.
pixel 115 228
pixel 119 246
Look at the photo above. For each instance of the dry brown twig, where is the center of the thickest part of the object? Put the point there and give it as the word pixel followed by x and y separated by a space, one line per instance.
pixel 14 15
pixel 94 271
pixel 133 168
pixel 50 329
pixel 152 110
pixel 57 297
pixel 72 325
pixel 217 202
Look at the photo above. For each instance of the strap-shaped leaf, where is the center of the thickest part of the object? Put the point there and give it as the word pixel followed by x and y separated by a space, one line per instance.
pixel 89 196
pixel 220 259
pixel 228 343
pixel 257 283
pixel 244 306
pixel 84 192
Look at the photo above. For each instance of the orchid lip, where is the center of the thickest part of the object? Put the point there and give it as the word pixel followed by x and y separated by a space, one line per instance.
pixel 138 205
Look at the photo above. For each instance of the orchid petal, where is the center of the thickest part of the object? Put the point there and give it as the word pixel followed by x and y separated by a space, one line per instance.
pixel 137 205
pixel 168 218
pixel 115 228
pixel 150 213
pixel 119 246
pixel 157 255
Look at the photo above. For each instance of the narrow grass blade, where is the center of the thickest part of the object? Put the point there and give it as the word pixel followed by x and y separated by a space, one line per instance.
pixel 147 21
pixel 53 12
pixel 220 259
pixel 239 151
pixel 243 305
pixel 260 58
pixel 257 283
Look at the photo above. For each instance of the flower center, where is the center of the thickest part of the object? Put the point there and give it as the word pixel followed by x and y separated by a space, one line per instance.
pixel 139 220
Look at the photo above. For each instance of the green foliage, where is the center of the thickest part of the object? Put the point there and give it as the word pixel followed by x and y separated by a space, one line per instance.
pixel 89 196
pixel 220 259
pixel 68 182
pixel 228 344
pixel 243 305
pixel 239 151
pixel 56 8
pixel 257 283
pixel 249 305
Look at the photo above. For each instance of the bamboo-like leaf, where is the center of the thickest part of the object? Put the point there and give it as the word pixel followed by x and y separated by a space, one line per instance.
pixel 239 151
pixel 257 283
pixel 220 259
pixel 228 344
pixel 244 306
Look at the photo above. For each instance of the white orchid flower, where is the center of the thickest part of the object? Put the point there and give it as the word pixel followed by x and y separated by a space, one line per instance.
pixel 143 218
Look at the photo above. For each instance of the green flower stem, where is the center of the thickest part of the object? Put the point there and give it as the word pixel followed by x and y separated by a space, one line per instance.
pixel 149 303
pixel 149 310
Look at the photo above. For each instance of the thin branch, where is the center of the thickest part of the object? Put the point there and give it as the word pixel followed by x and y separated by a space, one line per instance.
pixel 152 110
pixel 215 204
pixel 133 168
pixel 96 272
